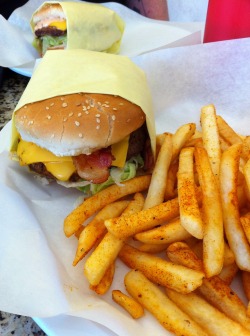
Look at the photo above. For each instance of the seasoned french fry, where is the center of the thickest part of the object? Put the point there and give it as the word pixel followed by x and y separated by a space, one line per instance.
pixel 134 308
pixel 127 226
pixel 159 305
pixel 101 258
pixel 246 172
pixel 227 132
pixel 181 136
pixel 152 248
pixel 96 229
pixel 171 184
pixel 103 286
pixel 214 289
pixel 95 203
pixel 210 137
pixel 157 187
pixel 181 253
pixel 245 222
pixel 246 283
pixel 228 186
pixel 210 319
pixel 165 234
pixel 190 215
pixel 107 250
pixel 161 271
pixel 213 240
pixel 229 258
pixel 228 273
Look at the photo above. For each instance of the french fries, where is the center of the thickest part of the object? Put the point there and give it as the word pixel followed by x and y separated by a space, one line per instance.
pixel 160 271
pixel 180 138
pixel 96 229
pixel 213 240
pixel 157 187
pixel 210 137
pixel 208 317
pixel 107 250
pixel 95 203
pixel 106 281
pixel 134 308
pixel 214 289
pixel 165 311
pixel 190 215
pixel 185 239
pixel 231 216
pixel 124 227
pixel 164 234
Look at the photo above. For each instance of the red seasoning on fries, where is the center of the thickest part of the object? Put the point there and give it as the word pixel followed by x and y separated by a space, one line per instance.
pixel 185 238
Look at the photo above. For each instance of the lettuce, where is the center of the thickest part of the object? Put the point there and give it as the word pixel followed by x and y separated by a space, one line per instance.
pixel 52 41
pixel 47 41
pixel 117 175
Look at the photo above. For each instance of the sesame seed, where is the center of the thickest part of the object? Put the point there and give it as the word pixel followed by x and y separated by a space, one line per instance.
pixel 80 135
pixel 106 102
pixel 113 117
pixel 77 123
pixel 64 104
pixel 70 114
pixel 92 104
pixel 114 108
pixel 79 114
pixel 48 117
pixel 65 119
pixel 99 103
pixel 86 112
pixel 52 104
pixel 84 108
pixel 47 107
pixel 31 122
pixel 88 107
pixel 121 104
pixel 62 98
pixel 98 120
pixel 98 115
pixel 25 106
pixel 98 127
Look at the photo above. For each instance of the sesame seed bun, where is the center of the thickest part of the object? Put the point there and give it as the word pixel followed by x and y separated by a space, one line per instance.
pixel 78 123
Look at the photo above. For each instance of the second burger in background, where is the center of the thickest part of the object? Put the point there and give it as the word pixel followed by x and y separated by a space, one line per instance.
pixel 76 25
pixel 89 126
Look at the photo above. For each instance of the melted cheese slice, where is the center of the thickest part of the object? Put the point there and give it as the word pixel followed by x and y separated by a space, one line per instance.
pixel 61 25
pixel 62 167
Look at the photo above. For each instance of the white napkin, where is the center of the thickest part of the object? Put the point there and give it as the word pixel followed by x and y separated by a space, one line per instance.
pixel 37 278
pixel 141 34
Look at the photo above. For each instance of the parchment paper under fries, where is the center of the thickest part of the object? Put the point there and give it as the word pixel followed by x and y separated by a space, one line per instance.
pixel 37 276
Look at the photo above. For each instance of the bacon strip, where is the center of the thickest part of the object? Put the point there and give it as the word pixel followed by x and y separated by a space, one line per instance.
pixel 94 167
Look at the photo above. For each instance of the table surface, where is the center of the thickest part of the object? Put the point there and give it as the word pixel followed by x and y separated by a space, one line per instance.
pixel 12 86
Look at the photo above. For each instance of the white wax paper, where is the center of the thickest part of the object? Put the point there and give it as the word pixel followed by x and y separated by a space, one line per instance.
pixel 36 277
pixel 141 35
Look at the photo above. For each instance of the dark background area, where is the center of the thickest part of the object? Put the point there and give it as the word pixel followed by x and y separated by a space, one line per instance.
pixel 8 6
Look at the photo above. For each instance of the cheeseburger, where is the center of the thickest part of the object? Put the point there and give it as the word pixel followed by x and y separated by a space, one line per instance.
pixel 79 137
pixel 73 25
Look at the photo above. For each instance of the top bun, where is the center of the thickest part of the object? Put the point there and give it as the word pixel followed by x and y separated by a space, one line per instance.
pixel 51 11
pixel 78 123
